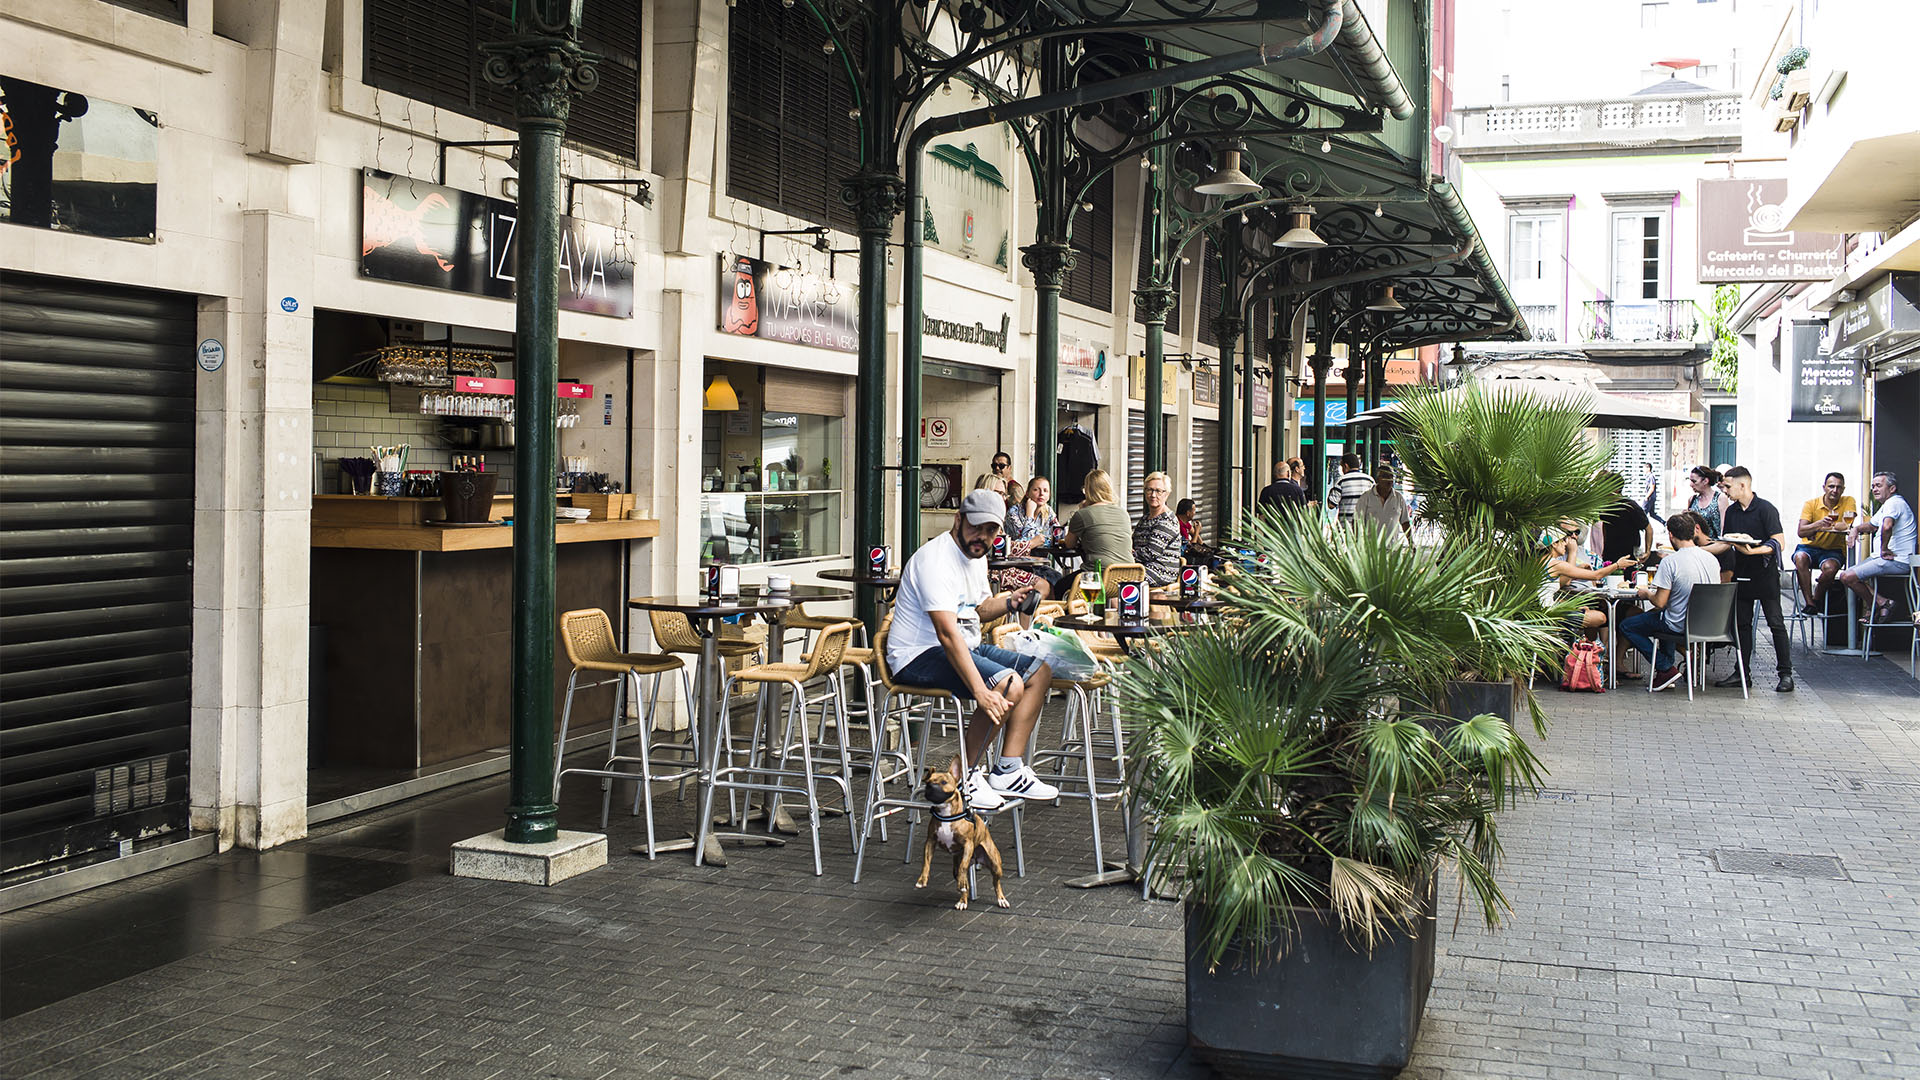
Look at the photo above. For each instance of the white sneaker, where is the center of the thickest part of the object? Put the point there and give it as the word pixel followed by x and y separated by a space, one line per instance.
pixel 980 793
pixel 1021 783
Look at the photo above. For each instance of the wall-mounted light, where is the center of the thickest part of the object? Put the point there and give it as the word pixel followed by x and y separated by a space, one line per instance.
pixel 720 396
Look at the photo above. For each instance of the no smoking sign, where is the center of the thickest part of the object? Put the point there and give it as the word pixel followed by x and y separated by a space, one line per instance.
pixel 937 431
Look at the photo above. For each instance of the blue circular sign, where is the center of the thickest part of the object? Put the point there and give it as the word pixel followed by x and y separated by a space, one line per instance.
pixel 211 354
pixel 289 305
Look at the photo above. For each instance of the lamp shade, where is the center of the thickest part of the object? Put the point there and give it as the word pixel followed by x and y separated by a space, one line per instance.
pixel 720 396
pixel 1384 300
pixel 1227 179
pixel 1301 235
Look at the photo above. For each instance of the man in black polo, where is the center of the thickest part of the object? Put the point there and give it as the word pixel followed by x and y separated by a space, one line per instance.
pixel 1756 572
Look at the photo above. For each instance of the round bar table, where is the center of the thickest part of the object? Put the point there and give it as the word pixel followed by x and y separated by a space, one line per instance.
pixel 705 615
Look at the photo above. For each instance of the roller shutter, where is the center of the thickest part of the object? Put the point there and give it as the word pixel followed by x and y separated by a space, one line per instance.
pixel 1202 476
pixel 1136 462
pixel 96 546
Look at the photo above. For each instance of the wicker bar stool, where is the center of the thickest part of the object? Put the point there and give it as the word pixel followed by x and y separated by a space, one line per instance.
pixel 587 634
pixel 776 776
pixel 800 619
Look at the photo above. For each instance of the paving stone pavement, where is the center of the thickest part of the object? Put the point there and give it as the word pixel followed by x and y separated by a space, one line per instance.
pixel 1629 953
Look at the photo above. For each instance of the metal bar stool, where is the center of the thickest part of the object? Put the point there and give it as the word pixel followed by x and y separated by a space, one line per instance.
pixel 1893 621
pixel 1082 743
pixel 929 705
pixel 587 634
pixel 762 771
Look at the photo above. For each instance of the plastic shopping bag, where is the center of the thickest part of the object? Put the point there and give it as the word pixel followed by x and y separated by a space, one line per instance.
pixel 1065 653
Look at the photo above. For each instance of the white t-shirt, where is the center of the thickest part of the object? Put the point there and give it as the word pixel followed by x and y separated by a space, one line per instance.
pixel 939 577
pixel 1906 531
pixel 1388 513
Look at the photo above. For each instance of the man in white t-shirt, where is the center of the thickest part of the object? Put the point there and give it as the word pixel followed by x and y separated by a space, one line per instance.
pixel 1673 583
pixel 1895 533
pixel 934 641
pixel 1383 505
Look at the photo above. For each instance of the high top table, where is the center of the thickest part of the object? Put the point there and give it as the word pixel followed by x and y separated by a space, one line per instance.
pixel 706 615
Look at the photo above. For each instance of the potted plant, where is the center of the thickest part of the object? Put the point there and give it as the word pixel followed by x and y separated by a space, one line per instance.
pixel 1306 766
pixel 1495 468
pixel 1305 799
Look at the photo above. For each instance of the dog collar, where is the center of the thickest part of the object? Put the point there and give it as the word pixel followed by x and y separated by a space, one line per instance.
pixel 949 818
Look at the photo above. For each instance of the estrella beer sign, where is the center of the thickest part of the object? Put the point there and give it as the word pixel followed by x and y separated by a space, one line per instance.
pixel 444 238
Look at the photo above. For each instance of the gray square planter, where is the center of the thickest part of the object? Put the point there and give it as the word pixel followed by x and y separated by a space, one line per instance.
pixel 1323 1008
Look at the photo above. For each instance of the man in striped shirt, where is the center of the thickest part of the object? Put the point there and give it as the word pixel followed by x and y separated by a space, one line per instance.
pixel 1354 482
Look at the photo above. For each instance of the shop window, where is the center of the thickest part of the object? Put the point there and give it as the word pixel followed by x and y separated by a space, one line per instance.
pixel 771 480
pixel 429 50
pixel 790 141
pixel 1091 282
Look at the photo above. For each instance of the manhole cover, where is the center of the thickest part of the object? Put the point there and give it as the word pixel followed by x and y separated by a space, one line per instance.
pixel 1779 864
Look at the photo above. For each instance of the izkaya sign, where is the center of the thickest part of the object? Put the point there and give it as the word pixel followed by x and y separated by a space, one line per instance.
pixel 444 238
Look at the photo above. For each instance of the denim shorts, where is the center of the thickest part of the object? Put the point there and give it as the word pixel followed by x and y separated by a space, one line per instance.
pixel 1818 555
pixel 933 670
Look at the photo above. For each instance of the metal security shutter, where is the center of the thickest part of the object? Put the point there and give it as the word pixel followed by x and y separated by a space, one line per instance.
pixel 1633 453
pixel 96 546
pixel 1136 462
pixel 1205 451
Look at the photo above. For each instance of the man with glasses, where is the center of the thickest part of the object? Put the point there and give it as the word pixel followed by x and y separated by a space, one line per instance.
pixel 1003 471
pixel 935 641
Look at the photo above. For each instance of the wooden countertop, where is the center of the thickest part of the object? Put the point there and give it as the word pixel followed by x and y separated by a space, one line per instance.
pixel 443 538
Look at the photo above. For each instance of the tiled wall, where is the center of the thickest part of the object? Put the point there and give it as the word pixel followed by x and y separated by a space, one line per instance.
pixel 348 420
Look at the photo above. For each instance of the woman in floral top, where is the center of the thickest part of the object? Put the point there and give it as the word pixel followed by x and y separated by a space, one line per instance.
pixel 1157 535
pixel 1029 525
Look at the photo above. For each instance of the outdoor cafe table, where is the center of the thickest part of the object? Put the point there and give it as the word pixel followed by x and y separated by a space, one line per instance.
pixel 887 583
pixel 1613 598
pixel 1124 632
pixel 1197 606
pixel 705 616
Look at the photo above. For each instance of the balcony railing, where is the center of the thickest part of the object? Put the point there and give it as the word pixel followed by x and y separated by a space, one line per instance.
pixel 1640 320
pixel 1543 320
pixel 1634 120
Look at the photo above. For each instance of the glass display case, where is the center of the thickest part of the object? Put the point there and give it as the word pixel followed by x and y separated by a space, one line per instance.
pixel 770 487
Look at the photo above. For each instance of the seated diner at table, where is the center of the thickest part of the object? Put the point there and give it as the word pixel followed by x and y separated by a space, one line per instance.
pixel 1099 530
pixel 1823 543
pixel 1156 536
pixel 1030 525
pixel 1561 546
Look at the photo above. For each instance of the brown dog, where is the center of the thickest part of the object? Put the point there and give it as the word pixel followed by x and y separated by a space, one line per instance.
pixel 961 831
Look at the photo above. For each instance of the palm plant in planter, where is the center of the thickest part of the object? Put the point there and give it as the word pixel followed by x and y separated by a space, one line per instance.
pixel 1304 772
pixel 1495 467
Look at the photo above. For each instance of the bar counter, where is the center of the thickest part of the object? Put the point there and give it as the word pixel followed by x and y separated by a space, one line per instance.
pixel 417 620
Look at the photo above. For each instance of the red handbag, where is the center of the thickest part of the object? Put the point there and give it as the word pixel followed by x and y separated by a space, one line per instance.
pixel 1583 669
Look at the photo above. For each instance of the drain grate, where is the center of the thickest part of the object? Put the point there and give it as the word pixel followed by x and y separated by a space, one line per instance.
pixel 1779 864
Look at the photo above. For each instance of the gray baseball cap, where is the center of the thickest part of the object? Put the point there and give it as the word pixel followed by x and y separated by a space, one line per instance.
pixel 982 506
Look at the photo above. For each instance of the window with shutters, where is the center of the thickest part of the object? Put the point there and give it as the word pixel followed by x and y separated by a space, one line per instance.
pixel 1091 282
pixel 790 142
pixel 1210 294
pixel 1143 274
pixel 429 50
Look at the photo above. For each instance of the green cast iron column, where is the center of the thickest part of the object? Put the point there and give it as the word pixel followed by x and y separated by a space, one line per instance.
pixel 1049 259
pixel 1322 364
pixel 876 198
pixel 1376 388
pixel 1351 375
pixel 1155 303
pixel 1247 471
pixel 546 69
pixel 1228 326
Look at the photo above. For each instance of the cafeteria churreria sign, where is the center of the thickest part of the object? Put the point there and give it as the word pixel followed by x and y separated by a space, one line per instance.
pixel 1744 236
pixel 968 334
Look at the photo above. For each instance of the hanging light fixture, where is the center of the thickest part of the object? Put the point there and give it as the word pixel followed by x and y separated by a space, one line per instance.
pixel 720 396
pixel 1383 300
pixel 1227 179
pixel 1301 235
